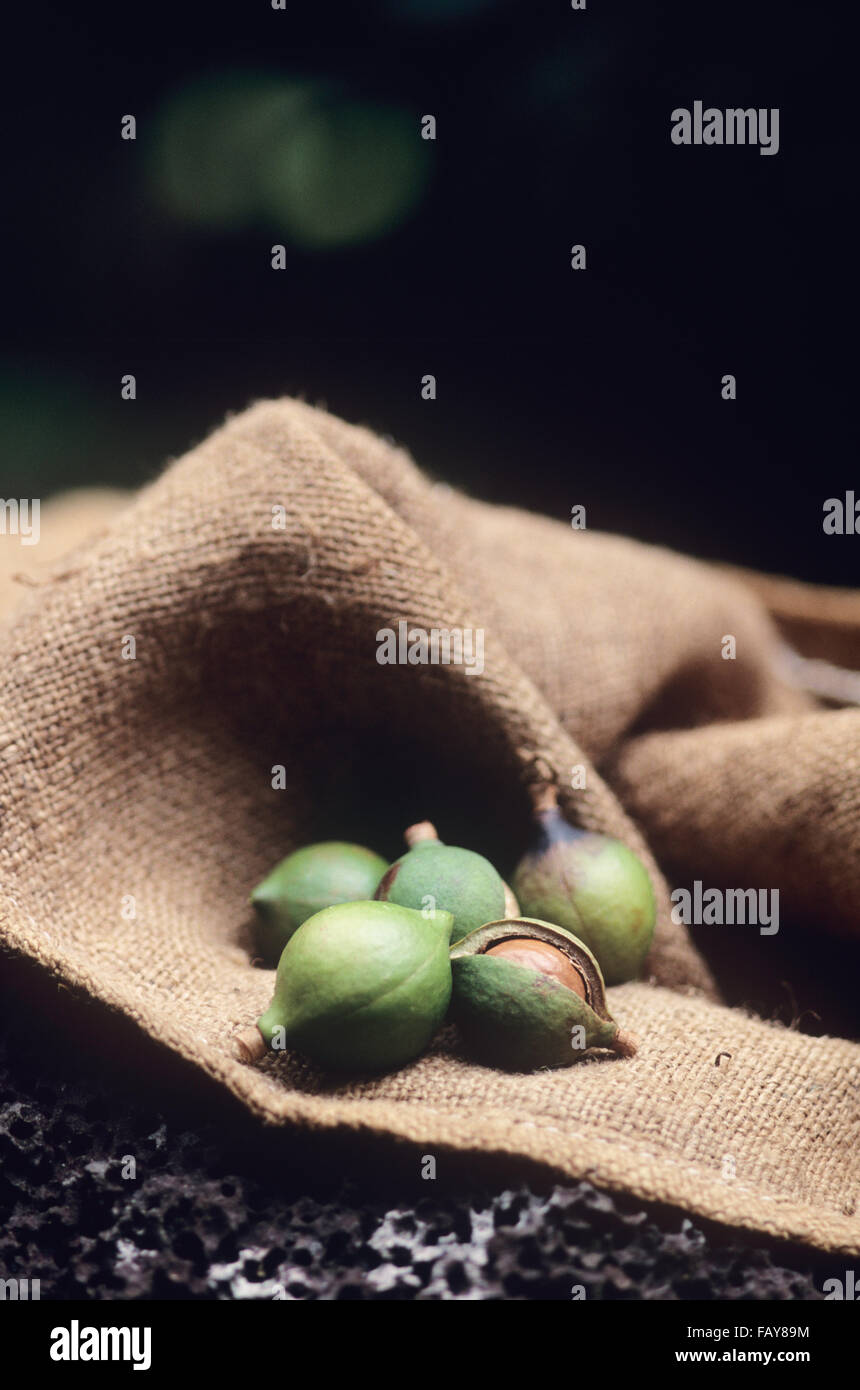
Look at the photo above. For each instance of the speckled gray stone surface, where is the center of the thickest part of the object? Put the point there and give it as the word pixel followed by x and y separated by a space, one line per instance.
pixel 193 1218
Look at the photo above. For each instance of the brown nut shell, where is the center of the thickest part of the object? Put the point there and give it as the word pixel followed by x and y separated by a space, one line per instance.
pixel 539 955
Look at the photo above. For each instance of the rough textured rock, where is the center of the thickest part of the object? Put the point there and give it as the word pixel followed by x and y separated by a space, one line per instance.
pixel 196 1223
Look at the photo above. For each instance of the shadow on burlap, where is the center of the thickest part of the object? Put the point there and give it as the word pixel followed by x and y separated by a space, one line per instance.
pixel 137 808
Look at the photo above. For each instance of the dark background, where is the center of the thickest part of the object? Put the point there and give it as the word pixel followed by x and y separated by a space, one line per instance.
pixel 555 387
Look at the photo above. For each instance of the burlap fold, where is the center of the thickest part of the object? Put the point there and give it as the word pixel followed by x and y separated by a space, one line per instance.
pixel 224 625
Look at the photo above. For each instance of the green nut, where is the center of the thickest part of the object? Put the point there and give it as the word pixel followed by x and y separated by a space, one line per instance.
pixel 595 887
pixel 305 882
pixel 361 986
pixel 521 1018
pixel 458 881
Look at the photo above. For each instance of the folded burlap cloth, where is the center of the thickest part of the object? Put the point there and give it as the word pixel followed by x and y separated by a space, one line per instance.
pixel 140 799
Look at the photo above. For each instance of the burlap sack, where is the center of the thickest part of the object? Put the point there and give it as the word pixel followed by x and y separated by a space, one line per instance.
pixel 137 807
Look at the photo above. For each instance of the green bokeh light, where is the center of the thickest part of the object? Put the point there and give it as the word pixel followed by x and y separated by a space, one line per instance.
pixel 311 164
pixel 209 140
pixel 349 173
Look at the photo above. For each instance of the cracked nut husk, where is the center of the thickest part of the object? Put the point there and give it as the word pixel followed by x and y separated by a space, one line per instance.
pixel 527 994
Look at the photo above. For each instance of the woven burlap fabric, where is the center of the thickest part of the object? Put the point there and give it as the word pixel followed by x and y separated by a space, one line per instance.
pixel 138 807
pixel 65 523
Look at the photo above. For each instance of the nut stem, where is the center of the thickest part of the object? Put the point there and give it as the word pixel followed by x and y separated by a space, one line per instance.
pixel 249 1045
pixel 422 830
pixel 544 798
pixel 625 1044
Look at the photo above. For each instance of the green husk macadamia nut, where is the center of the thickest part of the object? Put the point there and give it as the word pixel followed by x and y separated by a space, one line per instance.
pixel 361 986
pixel 432 874
pixel 595 887
pixel 308 880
